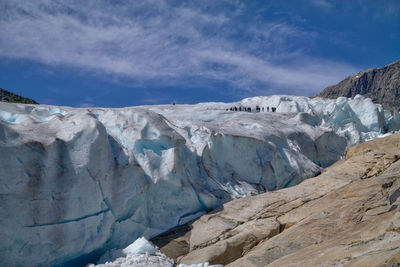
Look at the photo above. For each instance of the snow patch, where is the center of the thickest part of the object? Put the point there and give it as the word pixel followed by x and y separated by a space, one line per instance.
pixel 139 247
pixel 200 265
pixel 143 253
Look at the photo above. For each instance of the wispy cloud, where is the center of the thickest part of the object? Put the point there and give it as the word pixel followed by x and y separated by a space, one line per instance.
pixel 325 4
pixel 167 42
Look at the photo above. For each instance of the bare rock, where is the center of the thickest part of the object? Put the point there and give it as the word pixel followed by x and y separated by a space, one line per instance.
pixel 381 85
pixel 349 215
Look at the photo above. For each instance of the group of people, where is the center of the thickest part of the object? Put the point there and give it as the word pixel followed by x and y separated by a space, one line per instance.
pixel 248 109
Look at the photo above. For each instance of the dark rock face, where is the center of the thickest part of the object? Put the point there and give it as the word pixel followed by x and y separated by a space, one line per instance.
pixel 6 96
pixel 381 85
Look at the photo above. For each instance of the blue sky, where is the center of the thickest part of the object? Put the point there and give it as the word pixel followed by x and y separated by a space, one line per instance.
pixel 125 53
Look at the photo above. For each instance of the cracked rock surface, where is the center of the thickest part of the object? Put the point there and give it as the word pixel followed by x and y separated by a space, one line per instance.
pixel 349 215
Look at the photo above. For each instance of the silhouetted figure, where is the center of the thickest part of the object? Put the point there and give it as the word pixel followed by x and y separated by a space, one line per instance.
pixel 257 108
pixel 273 109
pixel 249 109
pixel 267 108
pixel 263 109
pixel 240 108
pixel 235 108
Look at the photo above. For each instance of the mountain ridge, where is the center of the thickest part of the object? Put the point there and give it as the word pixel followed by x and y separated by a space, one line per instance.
pixel 382 85
pixel 7 96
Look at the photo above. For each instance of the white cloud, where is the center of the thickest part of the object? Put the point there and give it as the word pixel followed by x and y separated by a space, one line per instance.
pixel 166 42
pixel 325 4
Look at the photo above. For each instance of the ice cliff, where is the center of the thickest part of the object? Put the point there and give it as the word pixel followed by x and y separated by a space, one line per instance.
pixel 76 182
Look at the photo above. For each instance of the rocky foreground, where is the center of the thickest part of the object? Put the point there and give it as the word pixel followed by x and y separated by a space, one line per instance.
pixel 349 215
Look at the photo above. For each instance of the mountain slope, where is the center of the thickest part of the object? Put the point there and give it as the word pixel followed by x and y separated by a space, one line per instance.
pixel 381 85
pixel 347 216
pixel 7 96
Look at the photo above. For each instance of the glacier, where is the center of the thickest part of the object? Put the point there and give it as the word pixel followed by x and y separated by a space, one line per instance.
pixel 77 182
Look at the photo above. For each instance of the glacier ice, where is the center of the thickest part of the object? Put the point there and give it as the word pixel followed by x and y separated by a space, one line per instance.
pixel 200 265
pixel 140 253
pixel 77 182
pixel 143 260
pixel 139 247
pixel 143 253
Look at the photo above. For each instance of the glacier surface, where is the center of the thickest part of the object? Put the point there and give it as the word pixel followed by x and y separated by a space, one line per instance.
pixel 76 182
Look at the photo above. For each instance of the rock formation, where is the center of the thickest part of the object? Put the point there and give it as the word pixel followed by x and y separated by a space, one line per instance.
pixel 381 85
pixel 349 215
pixel 7 96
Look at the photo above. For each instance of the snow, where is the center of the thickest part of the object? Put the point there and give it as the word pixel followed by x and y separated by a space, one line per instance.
pixel 139 247
pixel 143 260
pixel 143 253
pixel 96 179
pixel 200 265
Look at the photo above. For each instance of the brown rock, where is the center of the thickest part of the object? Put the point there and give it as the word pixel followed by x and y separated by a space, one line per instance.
pixel 349 215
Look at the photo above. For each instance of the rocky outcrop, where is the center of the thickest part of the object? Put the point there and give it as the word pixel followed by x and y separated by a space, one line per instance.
pixel 349 215
pixel 7 96
pixel 381 85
